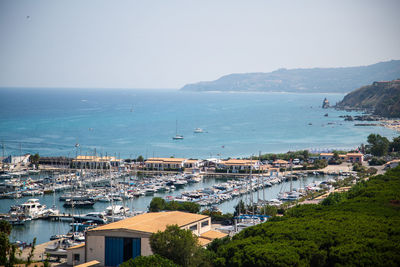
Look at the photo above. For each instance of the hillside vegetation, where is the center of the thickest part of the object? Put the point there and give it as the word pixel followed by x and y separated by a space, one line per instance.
pixel 339 80
pixel 357 228
pixel 382 98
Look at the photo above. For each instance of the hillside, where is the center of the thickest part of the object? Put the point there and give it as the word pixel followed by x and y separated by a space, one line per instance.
pixel 382 98
pixel 339 80
pixel 357 228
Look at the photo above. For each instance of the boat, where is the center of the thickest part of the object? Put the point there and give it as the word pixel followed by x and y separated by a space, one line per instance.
pixel 69 203
pixel 198 130
pixel 97 217
pixel 33 209
pixel 177 136
pixel 116 210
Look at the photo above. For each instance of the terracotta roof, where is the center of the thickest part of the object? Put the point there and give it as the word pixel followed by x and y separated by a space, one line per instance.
pixel 354 154
pixel 153 222
pixel 204 242
pixel 164 160
pixel 94 158
pixel 326 154
pixel 238 162
pixel 77 246
pixel 191 161
pixel 213 235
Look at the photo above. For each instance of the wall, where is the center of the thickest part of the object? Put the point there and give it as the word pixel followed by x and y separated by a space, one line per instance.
pixel 95 247
pixel 70 256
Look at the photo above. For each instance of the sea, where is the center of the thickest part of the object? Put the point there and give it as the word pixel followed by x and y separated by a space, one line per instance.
pixel 130 122
pixel 127 123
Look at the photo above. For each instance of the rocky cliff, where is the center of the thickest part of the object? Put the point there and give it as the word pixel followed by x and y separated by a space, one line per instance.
pixel 381 98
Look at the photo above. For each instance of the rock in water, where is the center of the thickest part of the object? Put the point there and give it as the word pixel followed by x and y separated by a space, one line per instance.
pixel 325 104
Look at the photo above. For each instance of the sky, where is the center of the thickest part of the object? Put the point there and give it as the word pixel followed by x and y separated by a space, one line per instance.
pixel 167 44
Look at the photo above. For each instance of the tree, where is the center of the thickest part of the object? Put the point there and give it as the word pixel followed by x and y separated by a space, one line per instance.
pixel 30 256
pixel 7 250
pixel 395 145
pixel 35 159
pixel 152 260
pixel 140 159
pixel 178 245
pixel 157 204
pixel 378 145
pixel 269 210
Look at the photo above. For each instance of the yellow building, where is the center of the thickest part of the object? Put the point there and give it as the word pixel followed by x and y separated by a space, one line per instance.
pixel 237 165
pixel 165 163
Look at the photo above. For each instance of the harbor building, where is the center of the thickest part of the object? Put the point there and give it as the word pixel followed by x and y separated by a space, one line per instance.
pixel 165 164
pixel 114 243
pixel 238 165
pixel 280 163
pixel 17 159
pixel 95 162
pixel 193 163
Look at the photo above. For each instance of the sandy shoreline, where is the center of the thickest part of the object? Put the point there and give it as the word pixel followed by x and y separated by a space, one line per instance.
pixel 391 124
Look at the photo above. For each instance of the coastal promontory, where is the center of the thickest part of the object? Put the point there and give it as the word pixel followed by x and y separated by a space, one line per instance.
pixel 381 98
pixel 322 80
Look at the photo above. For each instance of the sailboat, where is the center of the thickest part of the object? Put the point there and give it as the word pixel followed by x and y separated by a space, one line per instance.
pixel 177 136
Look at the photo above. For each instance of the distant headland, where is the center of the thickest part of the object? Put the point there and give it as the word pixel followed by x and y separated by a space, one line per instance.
pixel 380 98
pixel 315 80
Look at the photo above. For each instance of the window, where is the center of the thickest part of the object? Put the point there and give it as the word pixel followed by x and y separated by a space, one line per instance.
pixel 193 227
pixel 77 257
pixel 204 224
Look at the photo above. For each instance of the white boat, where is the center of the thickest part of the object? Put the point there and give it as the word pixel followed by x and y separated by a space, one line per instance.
pixel 116 210
pixel 177 136
pixel 33 209
pixel 198 130
pixel 97 217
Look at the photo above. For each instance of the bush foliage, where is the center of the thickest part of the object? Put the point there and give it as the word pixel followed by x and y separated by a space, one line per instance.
pixel 357 228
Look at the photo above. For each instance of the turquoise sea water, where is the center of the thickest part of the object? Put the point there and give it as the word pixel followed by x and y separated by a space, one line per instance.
pixel 142 122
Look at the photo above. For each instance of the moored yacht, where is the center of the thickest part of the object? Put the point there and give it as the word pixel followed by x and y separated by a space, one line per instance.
pixel 33 209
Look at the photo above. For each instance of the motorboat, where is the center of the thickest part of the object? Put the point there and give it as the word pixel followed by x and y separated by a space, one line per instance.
pixel 33 209
pixel 69 203
pixel 97 217
pixel 116 210
pixel 198 130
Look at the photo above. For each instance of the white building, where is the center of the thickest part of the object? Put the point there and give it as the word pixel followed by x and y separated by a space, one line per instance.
pixel 17 159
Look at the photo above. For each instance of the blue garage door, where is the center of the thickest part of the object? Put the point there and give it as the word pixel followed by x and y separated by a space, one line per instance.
pixel 114 251
pixel 119 249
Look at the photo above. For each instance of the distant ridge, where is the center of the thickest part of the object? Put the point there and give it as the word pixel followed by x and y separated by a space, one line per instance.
pixel 322 80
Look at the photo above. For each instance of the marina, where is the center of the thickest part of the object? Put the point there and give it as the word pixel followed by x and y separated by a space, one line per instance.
pixel 91 197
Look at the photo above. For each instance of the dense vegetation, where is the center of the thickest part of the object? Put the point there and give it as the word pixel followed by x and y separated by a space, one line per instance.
pixel 152 260
pixel 360 227
pixel 180 246
pixel 158 204
pixel 382 98
pixel 303 80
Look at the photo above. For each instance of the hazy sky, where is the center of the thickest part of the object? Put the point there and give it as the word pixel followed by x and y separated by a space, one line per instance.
pixel 166 44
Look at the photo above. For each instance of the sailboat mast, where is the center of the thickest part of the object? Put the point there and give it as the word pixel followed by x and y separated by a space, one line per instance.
pixel 291 175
